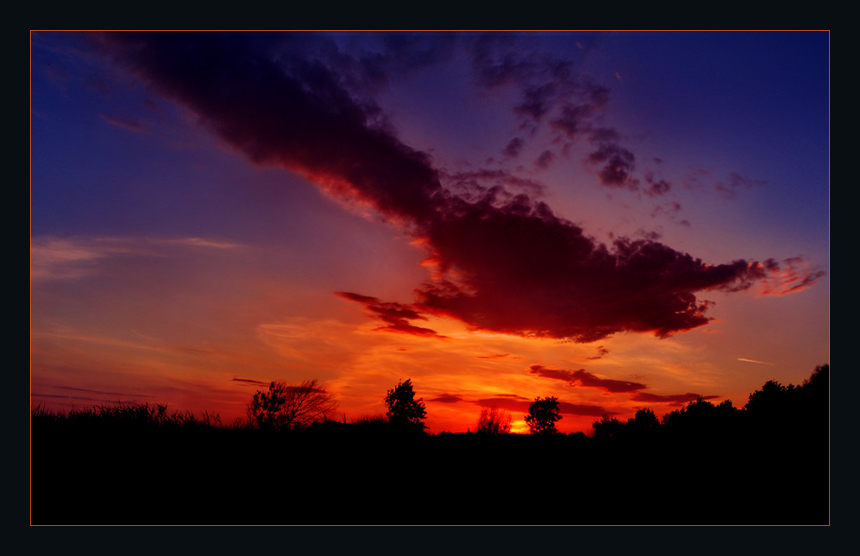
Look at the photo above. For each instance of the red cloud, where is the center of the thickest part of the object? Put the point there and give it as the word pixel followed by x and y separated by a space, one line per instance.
pixel 793 276
pixel 586 380
pixel 395 315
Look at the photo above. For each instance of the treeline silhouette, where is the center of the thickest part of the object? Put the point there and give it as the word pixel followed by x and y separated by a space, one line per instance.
pixel 774 412
pixel 764 463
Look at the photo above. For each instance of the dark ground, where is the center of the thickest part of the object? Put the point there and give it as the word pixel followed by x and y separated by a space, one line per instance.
pixel 341 474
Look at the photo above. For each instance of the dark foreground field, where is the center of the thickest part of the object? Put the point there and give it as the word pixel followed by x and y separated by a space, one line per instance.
pixel 341 474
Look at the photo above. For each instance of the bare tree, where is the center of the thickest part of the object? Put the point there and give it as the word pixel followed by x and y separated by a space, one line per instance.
pixel 286 407
pixel 494 421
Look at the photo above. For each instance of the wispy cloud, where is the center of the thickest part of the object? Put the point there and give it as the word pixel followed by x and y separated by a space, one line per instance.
pixel 130 125
pixel 53 258
pixel 753 361
pixel 498 356
pixel 64 259
pixel 793 275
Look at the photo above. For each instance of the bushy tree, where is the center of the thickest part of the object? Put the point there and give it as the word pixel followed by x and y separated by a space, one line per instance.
pixel 770 399
pixel 607 427
pixel 285 407
pixel 644 422
pixel 543 414
pixel 404 410
pixel 494 421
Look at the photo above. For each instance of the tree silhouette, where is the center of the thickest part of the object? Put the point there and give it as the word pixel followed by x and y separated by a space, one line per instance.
pixel 819 380
pixel 543 413
pixel 285 407
pixel 607 427
pixel 770 399
pixel 404 410
pixel 815 393
pixel 644 422
pixel 494 421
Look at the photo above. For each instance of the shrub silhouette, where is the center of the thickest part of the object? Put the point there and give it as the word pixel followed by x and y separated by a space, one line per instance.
pixel 644 423
pixel 404 411
pixel 543 413
pixel 285 407
pixel 494 421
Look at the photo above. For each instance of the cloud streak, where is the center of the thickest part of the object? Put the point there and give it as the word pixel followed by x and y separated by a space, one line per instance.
pixel 584 379
pixel 54 258
pixel 753 361
pixel 671 399
pixel 521 405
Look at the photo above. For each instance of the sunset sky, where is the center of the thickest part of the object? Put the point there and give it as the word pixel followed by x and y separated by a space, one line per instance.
pixel 620 220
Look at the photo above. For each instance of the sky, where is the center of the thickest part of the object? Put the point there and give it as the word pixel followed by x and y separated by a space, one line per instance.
pixel 619 220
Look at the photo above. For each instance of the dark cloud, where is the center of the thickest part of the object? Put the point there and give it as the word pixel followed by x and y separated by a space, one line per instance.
pixel 395 315
pixel 60 397
pixel 537 101
pixel 498 61
pixel 583 409
pixel 545 159
pixel 513 148
pixel 506 262
pixel 250 381
pixel 672 399
pixel 601 353
pixel 552 90
pixel 656 187
pixel 289 112
pixel 105 397
pixel 510 402
pixel 584 379
pixel 727 187
pixel 447 398
pixel 617 165
pixel 736 182
pixel 103 393
pixel 400 53
pixel 672 207
pixel 524 271
pixel 740 181
pixel 489 185
pixel 497 356
pixel 669 210
pixel 519 404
